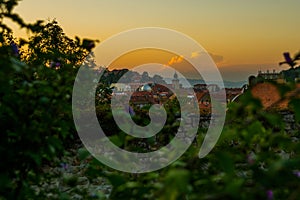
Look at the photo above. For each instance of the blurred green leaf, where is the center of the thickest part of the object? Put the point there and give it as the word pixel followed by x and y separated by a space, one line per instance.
pixel 83 153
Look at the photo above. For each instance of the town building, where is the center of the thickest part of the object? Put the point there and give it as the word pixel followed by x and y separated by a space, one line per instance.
pixel 175 82
pixel 265 87
pixel 268 75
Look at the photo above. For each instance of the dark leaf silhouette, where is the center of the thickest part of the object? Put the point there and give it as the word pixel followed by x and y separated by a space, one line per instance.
pixel 290 61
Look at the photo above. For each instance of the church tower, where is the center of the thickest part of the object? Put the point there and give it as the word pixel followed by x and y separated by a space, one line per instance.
pixel 175 82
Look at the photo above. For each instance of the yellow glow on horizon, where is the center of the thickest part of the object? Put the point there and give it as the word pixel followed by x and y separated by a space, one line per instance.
pixel 244 33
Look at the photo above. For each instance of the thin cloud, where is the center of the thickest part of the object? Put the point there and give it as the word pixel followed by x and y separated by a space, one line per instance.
pixel 216 58
pixel 195 54
pixel 175 59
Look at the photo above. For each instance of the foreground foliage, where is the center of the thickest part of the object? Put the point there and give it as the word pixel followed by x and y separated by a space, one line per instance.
pixel 35 100
pixel 255 158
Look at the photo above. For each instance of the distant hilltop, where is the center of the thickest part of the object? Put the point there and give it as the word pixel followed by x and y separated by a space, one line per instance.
pixel 284 76
pixel 266 87
pixel 128 76
pixel 227 84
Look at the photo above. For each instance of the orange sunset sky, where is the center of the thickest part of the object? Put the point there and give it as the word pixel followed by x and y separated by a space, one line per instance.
pixel 242 36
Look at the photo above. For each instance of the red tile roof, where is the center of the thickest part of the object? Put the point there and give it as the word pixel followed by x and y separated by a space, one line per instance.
pixel 270 97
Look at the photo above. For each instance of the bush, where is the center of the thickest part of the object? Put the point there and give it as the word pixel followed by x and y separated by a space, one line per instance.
pixel 35 100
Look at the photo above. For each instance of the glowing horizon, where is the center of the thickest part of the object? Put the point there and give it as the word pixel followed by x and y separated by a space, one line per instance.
pixel 243 37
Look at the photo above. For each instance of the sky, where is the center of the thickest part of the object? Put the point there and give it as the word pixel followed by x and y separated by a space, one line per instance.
pixel 242 36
